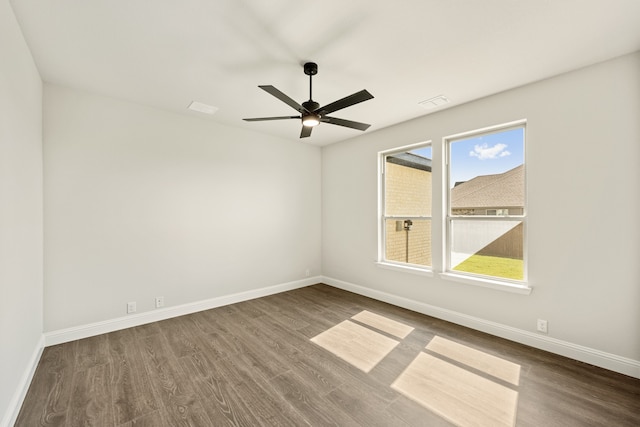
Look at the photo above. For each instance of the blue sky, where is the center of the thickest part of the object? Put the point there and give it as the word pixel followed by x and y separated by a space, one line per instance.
pixel 486 154
pixel 483 155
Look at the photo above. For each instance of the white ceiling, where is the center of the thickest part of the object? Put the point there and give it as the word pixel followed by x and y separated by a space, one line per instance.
pixel 167 53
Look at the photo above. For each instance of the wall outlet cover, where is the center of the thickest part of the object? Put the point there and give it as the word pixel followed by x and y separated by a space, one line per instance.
pixel 131 307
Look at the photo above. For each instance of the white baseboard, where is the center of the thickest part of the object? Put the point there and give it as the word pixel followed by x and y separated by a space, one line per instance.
pixel 592 356
pixel 15 404
pixel 85 331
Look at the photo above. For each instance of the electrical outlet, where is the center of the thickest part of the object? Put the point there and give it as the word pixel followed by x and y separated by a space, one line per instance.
pixel 307 273
pixel 159 302
pixel 542 326
pixel 131 307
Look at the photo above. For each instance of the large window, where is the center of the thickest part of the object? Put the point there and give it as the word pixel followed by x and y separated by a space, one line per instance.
pixel 486 204
pixel 406 206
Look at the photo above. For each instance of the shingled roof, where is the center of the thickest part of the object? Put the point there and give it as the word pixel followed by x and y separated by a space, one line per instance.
pixel 504 190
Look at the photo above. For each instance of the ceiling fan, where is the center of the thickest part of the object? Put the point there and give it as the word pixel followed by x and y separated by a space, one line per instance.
pixel 311 113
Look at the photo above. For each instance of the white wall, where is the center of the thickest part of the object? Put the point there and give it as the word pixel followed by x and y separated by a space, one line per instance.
pixel 142 203
pixel 20 212
pixel 583 163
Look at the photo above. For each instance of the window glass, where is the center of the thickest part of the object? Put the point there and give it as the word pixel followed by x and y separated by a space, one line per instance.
pixel 491 248
pixel 487 205
pixel 407 206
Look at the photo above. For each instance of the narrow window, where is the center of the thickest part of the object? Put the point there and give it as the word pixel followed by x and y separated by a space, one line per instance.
pixel 406 206
pixel 486 204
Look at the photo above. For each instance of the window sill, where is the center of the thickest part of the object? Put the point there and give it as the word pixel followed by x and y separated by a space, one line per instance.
pixel 405 268
pixel 516 288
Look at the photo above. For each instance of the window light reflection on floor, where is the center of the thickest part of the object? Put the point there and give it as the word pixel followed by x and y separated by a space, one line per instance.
pixel 360 346
pixel 463 385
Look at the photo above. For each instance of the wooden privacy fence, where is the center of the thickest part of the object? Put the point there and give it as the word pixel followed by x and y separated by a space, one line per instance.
pixel 509 245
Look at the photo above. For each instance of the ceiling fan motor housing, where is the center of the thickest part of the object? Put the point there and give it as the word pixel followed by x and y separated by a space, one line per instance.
pixel 310 68
pixel 310 105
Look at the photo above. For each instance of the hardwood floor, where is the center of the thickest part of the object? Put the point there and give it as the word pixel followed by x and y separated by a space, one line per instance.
pixel 254 363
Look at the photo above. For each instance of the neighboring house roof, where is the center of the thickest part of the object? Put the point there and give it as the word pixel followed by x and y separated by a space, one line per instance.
pixel 410 160
pixel 490 191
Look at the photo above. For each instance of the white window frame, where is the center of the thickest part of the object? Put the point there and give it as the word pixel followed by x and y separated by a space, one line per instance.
pixel 382 217
pixel 517 286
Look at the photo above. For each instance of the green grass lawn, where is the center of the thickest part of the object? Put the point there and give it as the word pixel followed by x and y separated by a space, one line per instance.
pixel 507 268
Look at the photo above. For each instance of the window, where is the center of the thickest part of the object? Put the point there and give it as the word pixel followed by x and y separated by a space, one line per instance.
pixel 405 228
pixel 486 204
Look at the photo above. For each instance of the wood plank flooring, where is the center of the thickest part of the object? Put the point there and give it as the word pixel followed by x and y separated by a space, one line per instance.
pixel 254 364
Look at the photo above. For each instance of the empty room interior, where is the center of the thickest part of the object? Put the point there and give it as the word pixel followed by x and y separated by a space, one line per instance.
pixel 339 213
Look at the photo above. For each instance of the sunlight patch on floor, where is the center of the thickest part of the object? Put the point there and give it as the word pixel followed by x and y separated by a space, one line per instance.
pixel 463 385
pixel 356 344
pixel 492 365
pixel 459 394
pixel 384 324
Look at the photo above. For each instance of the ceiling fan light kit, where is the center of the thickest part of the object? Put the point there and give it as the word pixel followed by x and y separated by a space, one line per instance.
pixel 311 113
pixel 310 120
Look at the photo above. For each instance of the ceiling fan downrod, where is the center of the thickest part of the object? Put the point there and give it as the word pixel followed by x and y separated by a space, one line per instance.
pixel 312 117
pixel 310 69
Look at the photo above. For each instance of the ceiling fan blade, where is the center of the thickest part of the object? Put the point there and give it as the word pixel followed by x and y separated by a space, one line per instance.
pixel 345 102
pixel 282 97
pixel 346 123
pixel 261 119
pixel 306 131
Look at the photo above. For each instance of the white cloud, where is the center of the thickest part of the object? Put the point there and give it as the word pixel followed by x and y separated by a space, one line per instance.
pixel 484 152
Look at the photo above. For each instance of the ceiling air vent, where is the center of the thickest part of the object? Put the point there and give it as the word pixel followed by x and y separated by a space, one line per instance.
pixel 202 108
pixel 434 102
